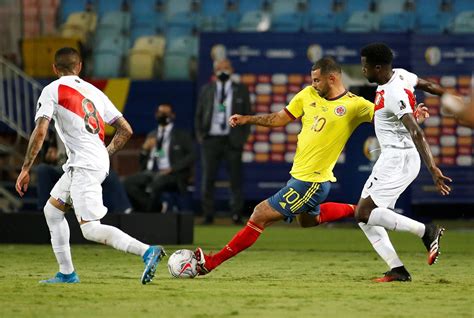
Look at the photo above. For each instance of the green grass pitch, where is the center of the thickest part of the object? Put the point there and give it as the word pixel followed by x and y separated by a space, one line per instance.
pixel 289 272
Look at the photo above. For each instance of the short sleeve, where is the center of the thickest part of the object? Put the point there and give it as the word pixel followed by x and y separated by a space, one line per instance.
pixel 111 113
pixel 399 105
pixel 45 106
pixel 365 110
pixel 295 107
pixel 411 78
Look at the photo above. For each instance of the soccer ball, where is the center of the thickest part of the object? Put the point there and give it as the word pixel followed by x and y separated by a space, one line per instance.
pixel 182 264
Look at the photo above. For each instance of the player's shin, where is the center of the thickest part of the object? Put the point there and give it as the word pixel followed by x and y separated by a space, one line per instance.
pixel 59 230
pixel 379 239
pixel 245 238
pixel 112 236
pixel 332 211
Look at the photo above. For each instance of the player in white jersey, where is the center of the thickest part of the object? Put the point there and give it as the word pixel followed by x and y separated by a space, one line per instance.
pixel 80 111
pixel 401 140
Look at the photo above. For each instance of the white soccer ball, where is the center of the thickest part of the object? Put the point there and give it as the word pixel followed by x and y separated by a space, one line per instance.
pixel 182 264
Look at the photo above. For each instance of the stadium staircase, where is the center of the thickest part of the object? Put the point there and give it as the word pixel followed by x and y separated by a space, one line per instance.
pixel 18 95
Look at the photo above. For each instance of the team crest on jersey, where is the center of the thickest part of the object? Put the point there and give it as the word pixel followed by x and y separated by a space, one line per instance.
pixel 402 105
pixel 340 110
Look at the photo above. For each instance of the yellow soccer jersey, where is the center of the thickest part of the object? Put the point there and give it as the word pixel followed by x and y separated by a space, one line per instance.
pixel 326 127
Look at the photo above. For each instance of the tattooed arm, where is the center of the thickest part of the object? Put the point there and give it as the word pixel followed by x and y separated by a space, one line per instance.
pixel 122 135
pixel 282 118
pixel 34 146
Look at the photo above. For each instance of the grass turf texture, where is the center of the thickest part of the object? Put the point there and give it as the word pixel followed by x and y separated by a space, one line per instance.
pixel 289 272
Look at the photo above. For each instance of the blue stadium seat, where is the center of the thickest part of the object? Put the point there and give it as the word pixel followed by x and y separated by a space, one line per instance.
pixel 389 7
pixel 287 22
pixel 105 6
pixel 173 33
pixel 254 21
pixel 69 6
pixel 183 45
pixel 245 6
pixel 176 6
pixel 117 20
pixel 213 24
pixel 362 21
pixel 460 6
pixel 119 44
pixel 107 63
pixel 464 22
pixel 212 8
pixel 432 22
pixel 319 17
pixel 176 67
pixel 188 20
pixel 139 7
pixel 141 30
pixel 284 6
pixel 358 5
pixel 397 22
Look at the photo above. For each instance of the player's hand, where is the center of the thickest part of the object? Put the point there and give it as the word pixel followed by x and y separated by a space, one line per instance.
pixel 421 113
pixel 22 182
pixel 237 120
pixel 440 181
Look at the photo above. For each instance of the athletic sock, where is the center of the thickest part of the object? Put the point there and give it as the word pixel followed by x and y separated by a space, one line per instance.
pixel 331 211
pixel 112 236
pixel 395 222
pixel 379 239
pixel 59 230
pixel 242 240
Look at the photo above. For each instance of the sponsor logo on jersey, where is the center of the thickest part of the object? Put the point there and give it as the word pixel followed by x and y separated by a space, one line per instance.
pixel 340 110
pixel 402 105
pixel 313 104
pixel 38 107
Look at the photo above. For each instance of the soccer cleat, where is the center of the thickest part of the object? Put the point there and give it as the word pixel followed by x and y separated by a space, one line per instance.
pixel 151 258
pixel 61 278
pixel 396 274
pixel 431 240
pixel 201 262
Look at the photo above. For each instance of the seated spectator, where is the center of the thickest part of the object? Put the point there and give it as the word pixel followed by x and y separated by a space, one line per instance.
pixel 167 159
pixel 114 195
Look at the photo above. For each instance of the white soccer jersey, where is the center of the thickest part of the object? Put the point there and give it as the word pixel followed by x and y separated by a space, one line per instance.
pixel 393 100
pixel 79 110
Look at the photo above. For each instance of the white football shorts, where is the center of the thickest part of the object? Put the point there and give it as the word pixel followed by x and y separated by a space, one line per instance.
pixel 393 172
pixel 82 188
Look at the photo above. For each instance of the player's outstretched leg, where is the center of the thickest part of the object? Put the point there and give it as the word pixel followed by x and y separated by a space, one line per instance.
pixel 112 236
pixel 431 239
pixel 263 216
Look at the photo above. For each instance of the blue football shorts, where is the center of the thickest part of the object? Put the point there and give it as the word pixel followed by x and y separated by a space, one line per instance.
pixel 299 197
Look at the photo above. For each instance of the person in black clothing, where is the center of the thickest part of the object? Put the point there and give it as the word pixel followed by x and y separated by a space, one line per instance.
pixel 216 103
pixel 166 159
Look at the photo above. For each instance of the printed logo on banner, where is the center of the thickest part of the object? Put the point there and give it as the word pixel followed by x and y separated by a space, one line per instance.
pixel 433 55
pixel 314 52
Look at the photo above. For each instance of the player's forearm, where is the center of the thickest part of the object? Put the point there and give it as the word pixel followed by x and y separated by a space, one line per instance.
pixel 118 142
pixel 122 135
pixel 430 87
pixel 267 120
pixel 423 148
pixel 34 146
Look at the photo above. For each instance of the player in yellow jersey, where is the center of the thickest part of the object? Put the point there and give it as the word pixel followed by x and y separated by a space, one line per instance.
pixel 329 114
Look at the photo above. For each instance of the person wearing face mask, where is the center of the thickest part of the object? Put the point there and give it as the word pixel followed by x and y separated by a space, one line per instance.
pixel 217 101
pixel 166 159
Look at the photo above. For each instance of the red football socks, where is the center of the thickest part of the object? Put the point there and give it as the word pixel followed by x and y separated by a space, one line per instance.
pixel 332 211
pixel 242 240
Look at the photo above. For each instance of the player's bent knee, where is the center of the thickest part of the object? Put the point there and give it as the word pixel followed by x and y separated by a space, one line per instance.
pixel 89 230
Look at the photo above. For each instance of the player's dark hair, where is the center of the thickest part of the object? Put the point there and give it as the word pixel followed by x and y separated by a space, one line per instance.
pixel 326 65
pixel 377 54
pixel 66 58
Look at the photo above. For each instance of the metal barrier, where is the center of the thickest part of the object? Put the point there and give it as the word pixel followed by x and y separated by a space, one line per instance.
pixel 18 96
